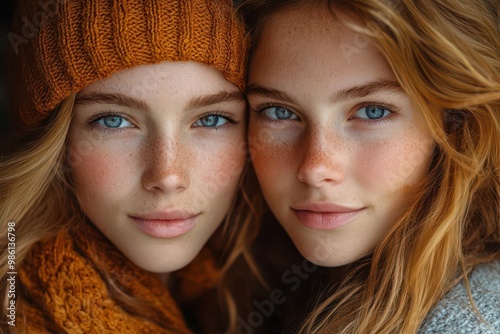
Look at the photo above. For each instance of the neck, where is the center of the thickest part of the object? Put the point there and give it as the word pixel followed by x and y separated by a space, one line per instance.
pixel 164 277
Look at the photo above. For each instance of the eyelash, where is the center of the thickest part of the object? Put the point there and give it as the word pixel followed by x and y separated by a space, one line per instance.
pixel 92 122
pixel 230 119
pixel 392 109
pixel 260 108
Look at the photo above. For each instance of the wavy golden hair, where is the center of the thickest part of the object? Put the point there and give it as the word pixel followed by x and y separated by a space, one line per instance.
pixel 34 191
pixel 446 55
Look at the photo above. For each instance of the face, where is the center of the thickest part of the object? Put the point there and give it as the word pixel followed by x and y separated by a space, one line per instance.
pixel 335 140
pixel 156 154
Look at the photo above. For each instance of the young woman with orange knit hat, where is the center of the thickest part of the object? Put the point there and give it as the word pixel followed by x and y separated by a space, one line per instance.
pixel 133 162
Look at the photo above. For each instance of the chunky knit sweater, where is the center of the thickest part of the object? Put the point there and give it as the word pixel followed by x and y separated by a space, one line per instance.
pixel 454 314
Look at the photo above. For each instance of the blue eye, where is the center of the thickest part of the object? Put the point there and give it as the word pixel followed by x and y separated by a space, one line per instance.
pixel 372 112
pixel 278 113
pixel 114 121
pixel 211 121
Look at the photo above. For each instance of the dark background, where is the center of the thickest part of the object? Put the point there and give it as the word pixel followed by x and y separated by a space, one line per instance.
pixel 6 9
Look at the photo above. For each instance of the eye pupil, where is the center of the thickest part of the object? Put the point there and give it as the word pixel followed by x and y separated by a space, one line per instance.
pixel 210 121
pixel 374 112
pixel 283 113
pixel 113 121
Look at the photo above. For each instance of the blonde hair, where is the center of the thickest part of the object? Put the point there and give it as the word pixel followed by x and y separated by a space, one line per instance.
pixel 446 55
pixel 34 189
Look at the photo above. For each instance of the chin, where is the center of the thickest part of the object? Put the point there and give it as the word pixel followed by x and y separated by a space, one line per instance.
pixel 328 263
pixel 166 261
pixel 167 267
pixel 329 258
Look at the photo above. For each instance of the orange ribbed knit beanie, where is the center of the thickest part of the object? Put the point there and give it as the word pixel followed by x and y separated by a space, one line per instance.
pixel 73 43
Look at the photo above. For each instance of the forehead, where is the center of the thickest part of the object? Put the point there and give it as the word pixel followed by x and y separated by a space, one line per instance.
pixel 310 20
pixel 177 78
pixel 314 44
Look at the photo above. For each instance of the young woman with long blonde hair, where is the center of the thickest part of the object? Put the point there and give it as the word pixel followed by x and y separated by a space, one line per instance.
pixel 375 136
pixel 134 159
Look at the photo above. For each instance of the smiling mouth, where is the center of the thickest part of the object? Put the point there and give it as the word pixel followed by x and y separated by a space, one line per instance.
pixel 166 225
pixel 325 220
pixel 325 216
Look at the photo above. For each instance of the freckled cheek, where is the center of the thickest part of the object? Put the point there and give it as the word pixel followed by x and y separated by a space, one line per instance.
pixel 391 166
pixel 273 158
pixel 103 173
pixel 219 167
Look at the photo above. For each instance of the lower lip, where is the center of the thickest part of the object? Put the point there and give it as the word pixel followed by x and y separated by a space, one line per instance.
pixel 325 220
pixel 165 228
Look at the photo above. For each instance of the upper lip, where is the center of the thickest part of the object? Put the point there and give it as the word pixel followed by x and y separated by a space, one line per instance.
pixel 165 215
pixel 324 207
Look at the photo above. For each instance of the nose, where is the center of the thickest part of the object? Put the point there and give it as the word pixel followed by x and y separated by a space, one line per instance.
pixel 167 162
pixel 322 154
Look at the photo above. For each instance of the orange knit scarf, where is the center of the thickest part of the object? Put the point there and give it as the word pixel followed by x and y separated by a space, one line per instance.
pixel 64 291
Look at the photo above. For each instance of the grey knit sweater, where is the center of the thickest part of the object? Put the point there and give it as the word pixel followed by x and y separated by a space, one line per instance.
pixel 453 313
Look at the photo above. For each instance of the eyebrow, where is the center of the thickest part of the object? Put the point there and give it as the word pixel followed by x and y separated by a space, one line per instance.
pixel 259 90
pixel 127 101
pixel 365 90
pixel 112 98
pixel 220 97
pixel 342 95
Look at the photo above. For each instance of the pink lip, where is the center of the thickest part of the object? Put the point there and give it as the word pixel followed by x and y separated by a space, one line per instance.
pixel 325 216
pixel 165 224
